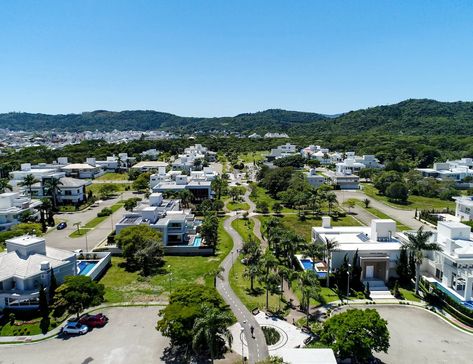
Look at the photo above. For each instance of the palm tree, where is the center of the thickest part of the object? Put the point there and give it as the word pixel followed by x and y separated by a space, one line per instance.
pixel 331 200
pixel 367 202
pixel 5 185
pixel 219 185
pixel 216 273
pixel 77 224
pixel 28 182
pixel 310 288
pixel 52 188
pixel 312 251
pixel 46 210
pixel 185 196
pixel 418 243
pixel 330 246
pixel 267 263
pixel 251 271
pixel 209 327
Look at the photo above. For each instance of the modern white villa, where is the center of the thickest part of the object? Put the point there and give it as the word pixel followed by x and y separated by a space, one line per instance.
pixel 71 190
pixel 113 163
pixel 343 181
pixel 353 164
pixel 451 269
pixel 315 180
pixel 198 182
pixel 12 205
pixel 464 207
pixel 282 151
pixel 39 171
pixel 378 247
pixel 26 264
pixel 179 227
pixel 187 160
pixel 149 166
pixel 455 171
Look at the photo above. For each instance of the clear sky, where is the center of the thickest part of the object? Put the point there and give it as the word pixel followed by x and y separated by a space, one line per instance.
pixel 222 57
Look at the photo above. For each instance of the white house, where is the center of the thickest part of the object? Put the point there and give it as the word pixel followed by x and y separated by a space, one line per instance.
pixel 451 269
pixel 16 177
pixel 192 156
pixel 12 205
pixel 378 247
pixel 342 181
pixel 82 170
pixel 198 182
pixel 448 171
pixel 464 207
pixel 70 190
pixel 282 151
pixel 314 179
pixel 150 154
pixel 149 166
pixel 275 135
pixel 353 164
pixel 26 264
pixel 179 228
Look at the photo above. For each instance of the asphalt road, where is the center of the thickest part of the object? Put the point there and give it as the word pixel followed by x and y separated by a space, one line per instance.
pixel 257 348
pixel 419 336
pixel 129 337
pixel 60 238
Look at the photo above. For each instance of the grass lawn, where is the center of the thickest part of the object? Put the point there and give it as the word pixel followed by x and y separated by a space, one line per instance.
pixel 253 156
pixel 241 287
pixel 304 228
pixel 94 222
pixel 382 215
pixel 414 202
pixel 235 206
pixel 27 324
pixel 328 294
pixel 94 187
pixel 244 228
pixel 263 196
pixel 110 176
pixel 409 295
pixel 123 286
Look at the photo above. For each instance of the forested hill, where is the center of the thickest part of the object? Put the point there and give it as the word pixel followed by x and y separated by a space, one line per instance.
pixel 410 117
pixel 270 120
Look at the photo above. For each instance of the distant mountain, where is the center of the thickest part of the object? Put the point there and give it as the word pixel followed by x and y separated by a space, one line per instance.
pixel 264 121
pixel 414 116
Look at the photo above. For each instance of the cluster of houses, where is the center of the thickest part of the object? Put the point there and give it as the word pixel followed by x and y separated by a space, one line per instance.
pixel 347 165
pixel 459 171
pixel 379 245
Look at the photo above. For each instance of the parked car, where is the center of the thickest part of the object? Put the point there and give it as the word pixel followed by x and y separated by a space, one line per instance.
pixel 61 225
pixel 98 320
pixel 75 328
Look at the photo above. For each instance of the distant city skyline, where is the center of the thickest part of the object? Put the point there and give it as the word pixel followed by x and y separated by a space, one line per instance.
pixel 214 58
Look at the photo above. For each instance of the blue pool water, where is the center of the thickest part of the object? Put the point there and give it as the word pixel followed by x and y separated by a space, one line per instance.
pixel 84 267
pixel 197 241
pixel 468 304
pixel 307 264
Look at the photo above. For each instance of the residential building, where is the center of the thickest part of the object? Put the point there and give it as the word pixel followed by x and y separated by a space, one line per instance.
pixel 47 171
pixel 275 135
pixel 25 265
pixel 82 170
pixel 448 171
pixel 378 247
pixel 353 164
pixel 282 151
pixel 151 154
pixel 464 207
pixel 452 266
pixel 314 179
pixel 193 158
pixel 70 191
pixel 12 205
pixel 198 182
pixel 254 136
pixel 113 163
pixel 179 228
pixel 149 166
pixel 342 181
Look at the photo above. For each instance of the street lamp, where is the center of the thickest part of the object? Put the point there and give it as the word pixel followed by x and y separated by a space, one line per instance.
pixel 86 242
pixel 348 282
pixel 232 257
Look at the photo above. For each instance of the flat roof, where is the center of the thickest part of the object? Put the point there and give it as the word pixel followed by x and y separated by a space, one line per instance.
pixel 78 166
pixel 151 164
pixel 25 240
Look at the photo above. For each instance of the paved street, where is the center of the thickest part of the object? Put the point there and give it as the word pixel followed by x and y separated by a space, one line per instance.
pixel 60 238
pixel 130 337
pixel 405 217
pixel 418 336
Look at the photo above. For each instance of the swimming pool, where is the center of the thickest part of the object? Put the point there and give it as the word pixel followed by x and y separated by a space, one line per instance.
pixel 197 241
pixel 307 265
pixel 468 304
pixel 84 267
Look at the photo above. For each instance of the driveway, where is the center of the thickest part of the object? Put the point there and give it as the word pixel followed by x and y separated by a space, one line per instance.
pixel 419 336
pixel 130 337
pixel 60 238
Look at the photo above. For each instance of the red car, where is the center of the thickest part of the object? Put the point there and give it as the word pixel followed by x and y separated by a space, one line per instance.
pixel 99 320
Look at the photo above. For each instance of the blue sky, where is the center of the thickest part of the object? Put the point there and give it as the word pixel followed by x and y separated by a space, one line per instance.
pixel 214 58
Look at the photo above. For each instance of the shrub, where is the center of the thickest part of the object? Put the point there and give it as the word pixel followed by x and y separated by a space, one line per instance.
pixel 106 211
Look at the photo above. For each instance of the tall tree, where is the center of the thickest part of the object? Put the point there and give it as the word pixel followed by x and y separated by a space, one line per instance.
pixel 330 246
pixel 268 263
pixel 209 230
pixel 5 185
pixel 186 197
pixel 52 186
pixel 219 186
pixel 331 199
pixel 28 181
pixel 209 330
pixel 310 287
pixel 418 243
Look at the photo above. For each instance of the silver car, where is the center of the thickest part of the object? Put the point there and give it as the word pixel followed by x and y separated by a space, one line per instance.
pixel 75 328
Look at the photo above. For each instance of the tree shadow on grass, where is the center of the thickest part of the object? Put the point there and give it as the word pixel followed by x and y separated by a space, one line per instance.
pixel 258 291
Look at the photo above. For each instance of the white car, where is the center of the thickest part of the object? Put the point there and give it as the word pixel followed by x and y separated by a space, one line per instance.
pixel 75 328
